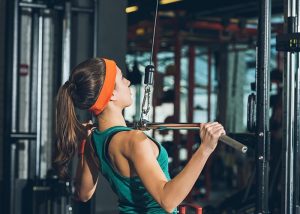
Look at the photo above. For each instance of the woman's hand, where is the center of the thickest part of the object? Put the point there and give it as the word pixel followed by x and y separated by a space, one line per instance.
pixel 89 127
pixel 87 147
pixel 210 134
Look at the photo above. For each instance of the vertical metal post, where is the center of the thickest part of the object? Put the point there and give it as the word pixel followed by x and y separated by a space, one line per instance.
pixel 296 203
pixel 36 93
pixel 177 76
pixel 39 96
pixel 15 64
pixel 66 56
pixel 263 103
pixel 297 145
pixel 12 47
pixel 222 65
pixel 13 177
pixel 34 61
pixel 233 114
pixel 208 84
pixel 208 165
pixel 288 116
pixel 190 102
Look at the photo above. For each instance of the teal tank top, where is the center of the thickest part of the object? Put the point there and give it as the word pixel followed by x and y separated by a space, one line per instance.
pixel 133 196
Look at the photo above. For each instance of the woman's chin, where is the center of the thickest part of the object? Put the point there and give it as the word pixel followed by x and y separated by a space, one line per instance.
pixel 129 104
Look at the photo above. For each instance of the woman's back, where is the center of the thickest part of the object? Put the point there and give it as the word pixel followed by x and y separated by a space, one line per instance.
pixel 133 196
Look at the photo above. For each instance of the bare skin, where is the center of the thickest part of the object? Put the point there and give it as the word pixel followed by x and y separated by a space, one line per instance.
pixel 133 153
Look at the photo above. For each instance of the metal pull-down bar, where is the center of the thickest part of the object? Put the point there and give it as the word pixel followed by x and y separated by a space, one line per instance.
pixel 192 126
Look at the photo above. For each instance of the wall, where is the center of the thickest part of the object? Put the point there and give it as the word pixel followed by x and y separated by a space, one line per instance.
pixel 112 31
pixel 2 49
pixel 2 72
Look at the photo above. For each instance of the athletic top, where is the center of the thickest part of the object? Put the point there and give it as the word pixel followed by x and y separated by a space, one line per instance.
pixel 133 196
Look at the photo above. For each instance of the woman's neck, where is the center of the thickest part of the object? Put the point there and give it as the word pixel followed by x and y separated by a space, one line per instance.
pixel 110 118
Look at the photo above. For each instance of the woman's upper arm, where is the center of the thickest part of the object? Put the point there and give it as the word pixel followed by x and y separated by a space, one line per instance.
pixel 92 159
pixel 147 166
pixel 87 173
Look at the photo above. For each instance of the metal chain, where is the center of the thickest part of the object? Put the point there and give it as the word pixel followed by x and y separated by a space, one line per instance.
pixel 146 101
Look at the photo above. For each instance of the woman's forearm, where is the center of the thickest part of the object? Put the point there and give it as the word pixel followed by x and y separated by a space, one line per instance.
pixel 86 181
pixel 176 190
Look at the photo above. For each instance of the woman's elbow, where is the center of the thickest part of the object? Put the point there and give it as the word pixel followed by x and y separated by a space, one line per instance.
pixel 85 193
pixel 168 207
pixel 84 197
pixel 169 210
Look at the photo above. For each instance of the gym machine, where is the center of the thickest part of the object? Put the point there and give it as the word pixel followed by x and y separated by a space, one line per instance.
pixel 48 49
pixel 288 42
pixel 259 104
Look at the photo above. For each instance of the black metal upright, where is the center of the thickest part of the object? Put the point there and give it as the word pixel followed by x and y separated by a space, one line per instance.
pixel 296 200
pixel 11 63
pixel 263 100
pixel 13 183
pixel 288 114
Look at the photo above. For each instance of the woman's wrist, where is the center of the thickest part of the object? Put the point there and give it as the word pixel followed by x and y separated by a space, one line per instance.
pixel 204 150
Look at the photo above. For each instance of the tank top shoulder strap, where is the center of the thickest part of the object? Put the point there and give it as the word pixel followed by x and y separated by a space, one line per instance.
pixel 101 139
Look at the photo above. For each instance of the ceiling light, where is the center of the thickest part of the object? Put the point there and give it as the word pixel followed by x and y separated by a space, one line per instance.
pixel 131 9
pixel 168 1
pixel 167 13
pixel 140 31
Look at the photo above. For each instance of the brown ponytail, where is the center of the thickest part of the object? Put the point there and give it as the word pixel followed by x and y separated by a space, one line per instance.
pixel 80 91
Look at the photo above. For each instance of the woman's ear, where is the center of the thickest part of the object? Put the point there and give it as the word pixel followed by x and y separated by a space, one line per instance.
pixel 114 95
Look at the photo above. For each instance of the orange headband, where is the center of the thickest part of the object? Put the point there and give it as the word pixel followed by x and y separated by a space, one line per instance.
pixel 107 88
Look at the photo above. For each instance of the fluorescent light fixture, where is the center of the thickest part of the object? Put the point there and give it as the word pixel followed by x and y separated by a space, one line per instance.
pixel 131 9
pixel 168 1
pixel 140 31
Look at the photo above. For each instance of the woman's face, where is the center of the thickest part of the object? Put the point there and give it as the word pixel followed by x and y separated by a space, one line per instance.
pixel 122 89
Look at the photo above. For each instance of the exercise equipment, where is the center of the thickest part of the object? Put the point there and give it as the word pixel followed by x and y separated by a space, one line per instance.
pixel 289 44
pixel 38 40
pixel 144 124
pixel 183 208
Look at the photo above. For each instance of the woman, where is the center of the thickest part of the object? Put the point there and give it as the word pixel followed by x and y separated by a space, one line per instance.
pixel 135 165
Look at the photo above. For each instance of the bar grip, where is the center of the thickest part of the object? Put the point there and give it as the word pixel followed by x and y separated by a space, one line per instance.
pixel 233 143
pixel 145 125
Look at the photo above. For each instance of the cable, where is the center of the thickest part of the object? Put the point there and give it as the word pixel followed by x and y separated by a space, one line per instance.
pixel 154 31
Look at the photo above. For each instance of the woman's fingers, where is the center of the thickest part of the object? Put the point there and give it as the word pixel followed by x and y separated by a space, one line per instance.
pixel 210 127
pixel 210 134
pixel 89 126
pixel 88 123
pixel 219 131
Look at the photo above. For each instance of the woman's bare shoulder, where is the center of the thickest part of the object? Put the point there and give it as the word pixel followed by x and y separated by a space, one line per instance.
pixel 132 136
pixel 136 141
